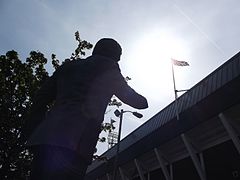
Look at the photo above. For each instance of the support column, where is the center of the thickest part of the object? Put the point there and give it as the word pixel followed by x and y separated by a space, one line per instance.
pixel 161 162
pixel 171 171
pixel 148 178
pixel 122 174
pixel 202 162
pixel 232 133
pixel 108 176
pixel 139 169
pixel 196 162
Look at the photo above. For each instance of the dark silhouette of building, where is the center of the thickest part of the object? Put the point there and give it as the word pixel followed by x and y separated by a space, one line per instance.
pixel 203 144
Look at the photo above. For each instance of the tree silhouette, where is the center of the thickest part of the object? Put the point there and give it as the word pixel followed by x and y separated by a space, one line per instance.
pixel 18 82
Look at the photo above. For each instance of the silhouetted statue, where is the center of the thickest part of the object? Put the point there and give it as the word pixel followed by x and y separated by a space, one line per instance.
pixel 64 142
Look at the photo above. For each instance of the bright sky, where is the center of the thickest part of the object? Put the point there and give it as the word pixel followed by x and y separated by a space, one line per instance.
pixel 203 33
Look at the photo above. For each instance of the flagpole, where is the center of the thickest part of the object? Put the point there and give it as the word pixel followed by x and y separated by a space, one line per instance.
pixel 175 92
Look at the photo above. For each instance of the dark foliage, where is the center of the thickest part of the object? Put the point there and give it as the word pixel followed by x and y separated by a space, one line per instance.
pixel 18 82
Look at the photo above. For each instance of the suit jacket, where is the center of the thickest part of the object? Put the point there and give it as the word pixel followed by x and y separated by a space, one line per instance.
pixel 81 91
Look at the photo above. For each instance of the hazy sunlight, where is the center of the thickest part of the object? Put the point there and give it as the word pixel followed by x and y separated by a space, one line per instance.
pixel 150 61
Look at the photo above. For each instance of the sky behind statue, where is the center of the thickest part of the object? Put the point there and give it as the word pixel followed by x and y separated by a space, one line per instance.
pixel 203 33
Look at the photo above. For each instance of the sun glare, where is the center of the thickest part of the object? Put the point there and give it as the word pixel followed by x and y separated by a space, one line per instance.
pixel 151 61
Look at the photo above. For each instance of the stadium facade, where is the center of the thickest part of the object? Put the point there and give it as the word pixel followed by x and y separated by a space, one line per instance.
pixel 203 144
